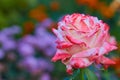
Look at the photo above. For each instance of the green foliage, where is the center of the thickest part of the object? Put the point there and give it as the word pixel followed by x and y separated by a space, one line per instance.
pixel 90 75
pixel 82 74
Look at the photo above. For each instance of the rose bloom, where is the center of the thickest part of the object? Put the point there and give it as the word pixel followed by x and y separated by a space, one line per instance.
pixel 83 40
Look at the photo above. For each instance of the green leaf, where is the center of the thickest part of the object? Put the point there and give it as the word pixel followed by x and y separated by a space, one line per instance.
pixel 82 74
pixel 75 73
pixel 90 75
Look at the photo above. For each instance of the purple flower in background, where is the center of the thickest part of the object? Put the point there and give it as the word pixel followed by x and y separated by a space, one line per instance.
pixel 3 37
pixel 45 24
pixel 17 29
pixel 45 65
pixel 42 39
pixel 25 49
pixel 9 44
pixel 2 54
pixel 39 31
pixel 11 30
pixel 41 42
pixel 41 28
pixel 30 39
pixel 34 65
pixel 45 41
pixel 50 48
pixel 29 63
pixel 7 38
pixel 45 76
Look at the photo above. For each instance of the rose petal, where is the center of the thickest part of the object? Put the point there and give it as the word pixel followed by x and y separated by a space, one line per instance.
pixel 105 61
pixel 74 41
pixel 86 53
pixel 60 56
pixel 80 62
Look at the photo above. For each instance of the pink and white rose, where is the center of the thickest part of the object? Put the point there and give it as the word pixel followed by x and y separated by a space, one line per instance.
pixel 83 40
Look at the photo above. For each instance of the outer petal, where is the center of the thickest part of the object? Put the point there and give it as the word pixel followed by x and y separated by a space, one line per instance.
pixel 57 33
pixel 63 44
pixel 112 40
pixel 106 47
pixel 105 61
pixel 69 69
pixel 80 62
pixel 60 56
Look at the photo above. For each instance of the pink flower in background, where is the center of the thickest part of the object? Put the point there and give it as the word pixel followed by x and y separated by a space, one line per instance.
pixel 83 40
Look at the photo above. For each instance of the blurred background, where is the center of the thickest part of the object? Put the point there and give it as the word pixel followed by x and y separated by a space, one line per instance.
pixel 27 42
